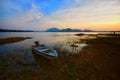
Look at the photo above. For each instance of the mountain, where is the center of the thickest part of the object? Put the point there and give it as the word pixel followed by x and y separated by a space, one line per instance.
pixel 86 30
pixel 53 30
pixel 66 30
pixel 70 30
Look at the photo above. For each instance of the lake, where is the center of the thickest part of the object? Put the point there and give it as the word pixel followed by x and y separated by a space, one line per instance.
pixel 48 38
pixel 64 40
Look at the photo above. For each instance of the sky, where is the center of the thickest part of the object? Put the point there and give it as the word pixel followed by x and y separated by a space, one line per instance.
pixel 76 14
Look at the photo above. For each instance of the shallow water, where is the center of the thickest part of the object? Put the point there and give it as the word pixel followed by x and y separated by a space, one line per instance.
pixel 63 40
pixel 51 39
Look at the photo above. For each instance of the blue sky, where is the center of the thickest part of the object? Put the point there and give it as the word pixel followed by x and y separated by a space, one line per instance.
pixel 43 14
pixel 13 7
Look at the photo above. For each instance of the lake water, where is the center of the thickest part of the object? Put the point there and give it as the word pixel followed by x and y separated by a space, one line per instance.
pixel 59 39
pixel 47 38
pixel 18 54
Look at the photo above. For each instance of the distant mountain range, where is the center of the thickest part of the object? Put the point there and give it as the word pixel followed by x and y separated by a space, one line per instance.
pixel 48 30
pixel 66 30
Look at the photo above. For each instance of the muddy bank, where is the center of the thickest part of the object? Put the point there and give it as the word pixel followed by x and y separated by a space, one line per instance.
pixel 12 40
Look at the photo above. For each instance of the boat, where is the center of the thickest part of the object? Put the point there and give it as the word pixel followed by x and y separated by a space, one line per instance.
pixel 44 51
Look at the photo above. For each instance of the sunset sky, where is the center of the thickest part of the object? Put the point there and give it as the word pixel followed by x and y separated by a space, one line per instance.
pixel 75 14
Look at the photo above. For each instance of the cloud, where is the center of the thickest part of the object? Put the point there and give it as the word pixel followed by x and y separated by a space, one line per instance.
pixel 92 15
pixel 28 19
pixel 95 14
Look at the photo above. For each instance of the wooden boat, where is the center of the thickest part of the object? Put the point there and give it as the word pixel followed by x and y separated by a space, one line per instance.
pixel 44 51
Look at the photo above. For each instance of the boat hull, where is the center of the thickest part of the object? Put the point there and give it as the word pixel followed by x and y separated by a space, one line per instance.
pixel 41 55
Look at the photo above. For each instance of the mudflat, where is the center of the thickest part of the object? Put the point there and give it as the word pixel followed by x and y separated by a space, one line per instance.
pixel 12 39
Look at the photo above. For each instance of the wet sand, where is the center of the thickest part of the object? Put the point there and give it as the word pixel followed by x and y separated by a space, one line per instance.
pixel 100 60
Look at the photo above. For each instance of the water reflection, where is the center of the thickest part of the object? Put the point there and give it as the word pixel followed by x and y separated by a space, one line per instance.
pixel 50 39
pixel 18 54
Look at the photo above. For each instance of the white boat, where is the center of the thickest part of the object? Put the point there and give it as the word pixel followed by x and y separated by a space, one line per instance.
pixel 44 51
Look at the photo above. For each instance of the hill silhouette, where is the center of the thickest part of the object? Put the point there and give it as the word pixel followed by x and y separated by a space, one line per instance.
pixel 66 30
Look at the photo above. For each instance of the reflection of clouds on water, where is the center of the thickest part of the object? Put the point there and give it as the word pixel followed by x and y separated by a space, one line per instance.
pixel 59 35
pixel 67 46
pixel 64 38
pixel 74 50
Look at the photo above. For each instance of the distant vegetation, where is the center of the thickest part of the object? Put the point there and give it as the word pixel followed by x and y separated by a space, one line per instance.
pixel 6 30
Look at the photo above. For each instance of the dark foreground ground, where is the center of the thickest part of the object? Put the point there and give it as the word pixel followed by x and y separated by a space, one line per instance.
pixel 103 56
pixel 100 60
